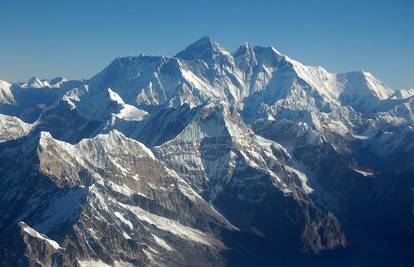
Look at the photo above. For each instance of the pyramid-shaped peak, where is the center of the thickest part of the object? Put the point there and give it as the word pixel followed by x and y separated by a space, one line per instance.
pixel 204 49
pixel 248 45
pixel 34 80
pixel 206 41
pixel 248 54
pixel 205 38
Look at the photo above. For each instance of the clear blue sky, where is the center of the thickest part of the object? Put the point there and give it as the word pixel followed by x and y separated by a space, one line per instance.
pixel 76 39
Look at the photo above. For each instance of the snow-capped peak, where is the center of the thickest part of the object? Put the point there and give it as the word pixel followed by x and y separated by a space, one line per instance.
pixel 204 49
pixel 57 82
pixel 6 95
pixel 276 51
pixel 35 82
pixel 114 97
pixel 247 47
pixel 379 88
pixel 403 93
pixel 362 90
pixel 4 83
pixel 258 53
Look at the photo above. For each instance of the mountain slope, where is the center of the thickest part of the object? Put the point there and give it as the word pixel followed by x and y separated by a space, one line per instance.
pixel 234 169
pixel 207 158
pixel 109 184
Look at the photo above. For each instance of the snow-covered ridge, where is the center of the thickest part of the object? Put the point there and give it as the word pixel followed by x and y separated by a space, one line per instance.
pixel 12 128
pixel 173 227
pixel 209 71
pixel 35 82
pixel 403 93
pixel 205 70
pixel 38 235
pixel 101 105
pixel 112 142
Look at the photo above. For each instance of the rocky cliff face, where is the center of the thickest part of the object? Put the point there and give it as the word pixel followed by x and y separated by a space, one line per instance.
pixel 207 158
pixel 105 198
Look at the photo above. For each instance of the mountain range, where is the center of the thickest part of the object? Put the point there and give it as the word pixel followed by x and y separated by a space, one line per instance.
pixel 207 158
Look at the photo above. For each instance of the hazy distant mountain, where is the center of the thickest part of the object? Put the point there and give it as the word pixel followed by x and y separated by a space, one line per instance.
pixel 207 158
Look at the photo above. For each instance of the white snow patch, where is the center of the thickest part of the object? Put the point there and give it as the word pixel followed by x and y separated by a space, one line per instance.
pixel 146 150
pixel 195 81
pixel 122 218
pixel 123 264
pixel 126 235
pixel 170 226
pixel 360 137
pixel 115 97
pixel 149 256
pixel 100 263
pixel 93 263
pixel 338 127
pixel 131 113
pixel 364 173
pixel 36 234
pixel 162 243
pixel 124 190
pixel 403 93
pixel 303 179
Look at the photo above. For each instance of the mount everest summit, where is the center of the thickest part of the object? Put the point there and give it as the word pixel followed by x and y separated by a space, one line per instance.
pixel 207 158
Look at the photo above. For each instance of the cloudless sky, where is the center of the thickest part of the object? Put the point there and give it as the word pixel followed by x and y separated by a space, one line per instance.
pixel 78 38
